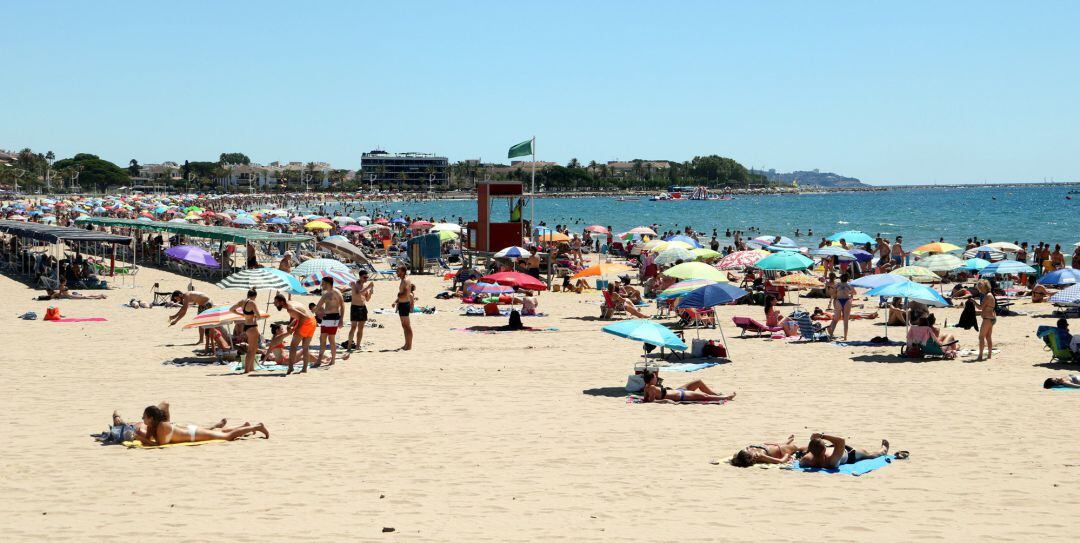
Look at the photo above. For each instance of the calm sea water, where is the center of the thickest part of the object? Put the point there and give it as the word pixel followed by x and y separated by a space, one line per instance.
pixel 921 215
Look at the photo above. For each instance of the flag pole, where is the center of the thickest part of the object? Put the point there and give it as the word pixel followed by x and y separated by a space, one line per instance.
pixel 532 195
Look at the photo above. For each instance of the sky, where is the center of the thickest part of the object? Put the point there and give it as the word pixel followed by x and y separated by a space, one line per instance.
pixel 905 92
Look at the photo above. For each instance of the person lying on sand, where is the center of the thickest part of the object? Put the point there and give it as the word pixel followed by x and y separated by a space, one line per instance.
pixel 1070 381
pixel 830 452
pixel 64 294
pixel 767 453
pixel 694 391
pixel 130 432
pixel 161 431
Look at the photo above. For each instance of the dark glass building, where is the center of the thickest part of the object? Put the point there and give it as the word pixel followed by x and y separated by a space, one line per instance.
pixel 407 170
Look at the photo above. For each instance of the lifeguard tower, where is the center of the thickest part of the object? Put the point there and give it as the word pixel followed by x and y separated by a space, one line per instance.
pixel 496 200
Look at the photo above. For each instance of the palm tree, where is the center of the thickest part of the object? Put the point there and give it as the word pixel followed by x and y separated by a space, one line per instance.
pixel 573 164
pixel 401 180
pixel 133 168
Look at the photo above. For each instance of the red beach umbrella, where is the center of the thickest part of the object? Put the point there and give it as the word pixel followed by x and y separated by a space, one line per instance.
pixel 515 279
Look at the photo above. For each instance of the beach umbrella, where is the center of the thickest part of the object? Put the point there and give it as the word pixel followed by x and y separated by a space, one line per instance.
pixel 317 225
pixel 646 331
pixel 192 255
pixel 257 278
pixel 597 229
pixel 834 252
pixel 936 247
pixel 672 255
pixel 398 220
pixel 861 255
pixel 344 220
pixel 798 280
pixel 309 267
pixel 515 279
pixel 683 288
pixel 642 231
pixel 652 246
pixel 1069 297
pixel 217 316
pixel 278 220
pixel 600 270
pixel 910 290
pixel 678 244
pixel 381 220
pixel 513 252
pixel 420 225
pixel 337 237
pixel 705 254
pixel 975 264
pixel 918 274
pixel 877 280
pixel 1006 267
pixel 696 270
pixel 786 261
pixel 446 235
pixel 294 284
pixel 1005 246
pixel 740 260
pixel 941 262
pixel 1065 276
pixel 340 278
pixel 177 221
pixel 712 295
pixel 553 237
pixel 489 288
pixel 245 220
pixel 765 241
pixel 446 227
pixel 353 228
pixel 693 243
pixel 985 252
pixel 852 236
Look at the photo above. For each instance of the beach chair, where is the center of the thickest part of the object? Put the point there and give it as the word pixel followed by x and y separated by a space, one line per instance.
pixel 808 329
pixel 691 317
pixel 747 324
pixel 1058 352
pixel 934 349
pixel 610 308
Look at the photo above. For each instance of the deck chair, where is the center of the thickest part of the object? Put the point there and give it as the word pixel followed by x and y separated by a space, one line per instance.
pixel 808 329
pixel 697 318
pixel 934 349
pixel 1058 352
pixel 747 324
pixel 610 308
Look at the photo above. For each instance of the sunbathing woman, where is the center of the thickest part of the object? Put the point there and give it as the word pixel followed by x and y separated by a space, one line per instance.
pixel 694 391
pixel 160 431
pixel 1070 381
pixel 124 431
pixel 818 454
pixel 767 453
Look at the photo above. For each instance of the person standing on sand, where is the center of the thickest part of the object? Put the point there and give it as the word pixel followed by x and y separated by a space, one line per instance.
pixel 250 312
pixel 303 327
pixel 358 312
pixel 331 305
pixel 197 299
pixel 403 304
pixel 989 317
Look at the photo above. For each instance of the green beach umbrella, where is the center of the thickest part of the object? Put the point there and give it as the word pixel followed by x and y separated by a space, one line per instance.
pixel 785 261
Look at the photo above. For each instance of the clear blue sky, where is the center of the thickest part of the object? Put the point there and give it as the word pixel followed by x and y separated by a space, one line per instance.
pixel 898 92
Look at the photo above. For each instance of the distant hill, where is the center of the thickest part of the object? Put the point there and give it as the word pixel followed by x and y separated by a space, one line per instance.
pixel 813 178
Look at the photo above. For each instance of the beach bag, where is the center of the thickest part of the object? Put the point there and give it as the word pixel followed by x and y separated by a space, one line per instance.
pixel 491 309
pixel 697 347
pixel 715 350
pixel 635 383
pixel 914 351
pixel 515 320
pixel 52 314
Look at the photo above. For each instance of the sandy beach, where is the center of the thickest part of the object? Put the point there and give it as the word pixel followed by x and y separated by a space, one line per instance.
pixel 523 436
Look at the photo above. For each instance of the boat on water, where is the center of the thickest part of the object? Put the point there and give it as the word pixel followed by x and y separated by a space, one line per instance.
pixel 690 193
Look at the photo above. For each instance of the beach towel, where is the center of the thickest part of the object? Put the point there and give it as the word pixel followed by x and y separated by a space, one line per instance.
pixel 967 318
pixel 861 467
pixel 890 343
pixel 501 329
pixel 635 398
pixel 1063 388
pixel 501 313
pixel 687 367
pixel 139 445
pixel 80 319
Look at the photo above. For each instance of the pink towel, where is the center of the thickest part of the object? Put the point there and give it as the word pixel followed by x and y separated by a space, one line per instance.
pixel 84 319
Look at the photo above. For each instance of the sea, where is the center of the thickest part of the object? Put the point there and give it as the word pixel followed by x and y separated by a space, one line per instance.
pixel 997 213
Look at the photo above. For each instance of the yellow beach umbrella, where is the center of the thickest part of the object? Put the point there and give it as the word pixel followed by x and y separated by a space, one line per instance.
pixel 317 225
pixel 554 237
pixel 936 247
pixel 679 244
pixel 798 280
pixel 919 274
pixel 705 254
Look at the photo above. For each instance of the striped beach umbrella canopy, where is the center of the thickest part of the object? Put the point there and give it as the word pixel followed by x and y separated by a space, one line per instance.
pixel 672 255
pixel 294 284
pixel 1006 267
pixel 1065 276
pixel 1069 296
pixel 217 316
pixel 340 278
pixel 258 279
pixel 513 252
pixel 919 274
pixel 740 260
pixel 985 252
pixel 785 261
pixel 941 262
pixel 309 267
pixel 684 287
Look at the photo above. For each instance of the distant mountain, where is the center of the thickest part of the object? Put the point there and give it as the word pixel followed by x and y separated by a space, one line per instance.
pixel 813 178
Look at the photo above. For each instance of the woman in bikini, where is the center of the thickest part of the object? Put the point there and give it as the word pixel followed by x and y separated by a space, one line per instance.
pixel 161 431
pixel 989 317
pixel 694 391
pixel 842 298
pixel 767 453
pixel 250 312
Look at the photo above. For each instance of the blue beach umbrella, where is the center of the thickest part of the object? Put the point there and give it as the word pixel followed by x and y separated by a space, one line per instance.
pixel 278 220
pixel 786 261
pixel 910 290
pixel 294 286
pixel 513 252
pixel 1006 267
pixel 1069 296
pixel 685 239
pixel 834 251
pixel 852 236
pixel 1065 276
pixel 646 331
pixel 975 264
pixel 244 220
pixel 399 220
pixel 712 295
pixel 861 255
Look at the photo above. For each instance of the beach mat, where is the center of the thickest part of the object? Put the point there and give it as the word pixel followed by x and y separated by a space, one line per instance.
pixel 80 319
pixel 687 367
pixel 861 467
pixel 635 399
pixel 890 343
pixel 139 445
pixel 502 313
pixel 500 329
pixel 1064 388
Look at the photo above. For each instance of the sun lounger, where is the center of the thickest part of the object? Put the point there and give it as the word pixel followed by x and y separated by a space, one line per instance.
pixel 747 324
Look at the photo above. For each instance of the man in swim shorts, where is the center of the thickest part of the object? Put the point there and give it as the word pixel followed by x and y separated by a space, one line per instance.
pixel 302 327
pixel 197 299
pixel 819 455
pixel 403 304
pixel 331 305
pixel 358 312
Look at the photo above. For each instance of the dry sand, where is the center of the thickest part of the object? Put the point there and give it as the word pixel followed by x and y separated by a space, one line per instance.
pixel 523 436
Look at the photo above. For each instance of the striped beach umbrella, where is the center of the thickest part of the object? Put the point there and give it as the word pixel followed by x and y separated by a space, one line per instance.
pixel 217 316
pixel 1069 296
pixel 340 278
pixel 985 252
pixel 258 279
pixel 941 262
pixel 1006 267
pixel 294 284
pixel 513 252
pixel 684 287
pixel 672 255
pixel 309 267
pixel 740 260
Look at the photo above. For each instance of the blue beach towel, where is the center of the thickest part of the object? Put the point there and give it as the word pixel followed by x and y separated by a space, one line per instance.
pixel 858 468
pixel 688 367
pixel 1064 388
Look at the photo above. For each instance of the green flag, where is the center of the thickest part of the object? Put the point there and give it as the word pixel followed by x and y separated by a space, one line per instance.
pixel 521 149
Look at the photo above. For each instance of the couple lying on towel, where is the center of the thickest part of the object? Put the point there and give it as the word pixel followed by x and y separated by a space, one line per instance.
pixel 156 428
pixel 694 391
pixel 823 451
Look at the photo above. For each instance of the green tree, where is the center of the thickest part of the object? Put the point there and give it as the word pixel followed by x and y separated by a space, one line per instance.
pixel 133 168
pixel 234 158
pixel 99 173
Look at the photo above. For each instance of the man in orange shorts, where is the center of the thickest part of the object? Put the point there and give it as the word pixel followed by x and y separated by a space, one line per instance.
pixel 303 328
